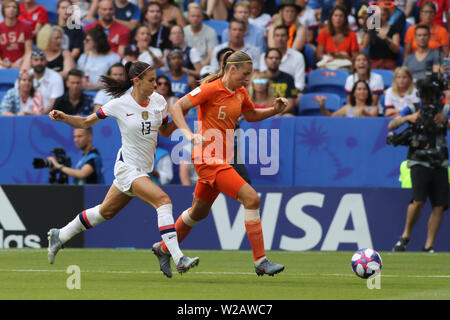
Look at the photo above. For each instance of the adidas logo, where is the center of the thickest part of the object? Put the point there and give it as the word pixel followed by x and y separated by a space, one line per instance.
pixel 10 221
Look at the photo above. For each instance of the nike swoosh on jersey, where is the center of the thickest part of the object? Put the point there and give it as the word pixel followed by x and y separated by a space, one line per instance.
pixel 129 114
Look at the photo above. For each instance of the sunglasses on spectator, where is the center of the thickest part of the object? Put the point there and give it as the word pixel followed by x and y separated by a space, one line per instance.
pixel 259 81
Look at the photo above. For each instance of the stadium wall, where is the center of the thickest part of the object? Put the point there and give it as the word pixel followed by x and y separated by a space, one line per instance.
pixel 293 219
pixel 314 151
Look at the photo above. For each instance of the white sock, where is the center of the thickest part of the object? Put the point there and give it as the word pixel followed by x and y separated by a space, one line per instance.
pixel 166 228
pixel 84 220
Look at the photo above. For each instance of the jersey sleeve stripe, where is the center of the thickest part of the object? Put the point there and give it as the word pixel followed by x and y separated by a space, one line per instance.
pixel 101 114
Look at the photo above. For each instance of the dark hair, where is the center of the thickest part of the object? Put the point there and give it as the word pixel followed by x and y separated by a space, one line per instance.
pixel 117 88
pixel 115 65
pixel 422 26
pixel 75 73
pixel 242 23
pixel 100 39
pixel 33 89
pixel 429 4
pixel 163 76
pixel 369 95
pixel 144 11
pixel 222 52
pixel 282 27
pixel 273 49
pixel 330 28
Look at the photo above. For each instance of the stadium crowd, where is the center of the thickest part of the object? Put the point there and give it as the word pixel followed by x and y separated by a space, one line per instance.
pixel 367 53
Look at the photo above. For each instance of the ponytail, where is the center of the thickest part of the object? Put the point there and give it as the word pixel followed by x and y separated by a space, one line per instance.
pixel 133 70
pixel 237 58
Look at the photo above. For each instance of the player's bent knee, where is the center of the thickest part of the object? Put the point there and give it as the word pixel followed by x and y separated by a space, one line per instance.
pixel 163 200
pixel 251 201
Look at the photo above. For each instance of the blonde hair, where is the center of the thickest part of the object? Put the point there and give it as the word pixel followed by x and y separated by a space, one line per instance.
pixel 230 58
pixel 406 70
pixel 244 4
pixel 44 35
pixel 251 89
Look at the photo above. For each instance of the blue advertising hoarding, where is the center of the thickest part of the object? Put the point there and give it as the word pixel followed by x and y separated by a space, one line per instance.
pixel 293 219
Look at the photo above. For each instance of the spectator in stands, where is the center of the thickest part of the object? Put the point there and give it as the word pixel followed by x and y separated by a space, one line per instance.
pixel 117 72
pixel 164 88
pixel 257 16
pixel 207 70
pixel 292 61
pixel 74 101
pixel 398 19
pixel 360 104
pixel 127 13
pixel 96 59
pixel 288 16
pixel 49 83
pixel 362 71
pixel 159 32
pixel 162 173
pixel 23 99
pixel 363 30
pixel 171 14
pixel 217 9
pixel 438 35
pixel 49 39
pixel 307 18
pixel 424 58
pixel 402 93
pixel 148 54
pixel 118 34
pixel 260 90
pixel 282 83
pixel 16 39
pixel 34 14
pixel 73 36
pixel 237 43
pixel 182 82
pixel 253 34
pixel 198 35
pixel 442 9
pixel 328 6
pixel 191 57
pixel 383 43
pixel 336 40
pixel 131 53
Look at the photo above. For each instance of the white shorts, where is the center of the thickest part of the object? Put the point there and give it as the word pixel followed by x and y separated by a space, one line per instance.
pixel 125 175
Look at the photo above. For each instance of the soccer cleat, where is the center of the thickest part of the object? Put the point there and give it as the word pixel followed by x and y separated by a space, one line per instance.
pixel 401 245
pixel 163 258
pixel 54 244
pixel 268 267
pixel 429 250
pixel 185 263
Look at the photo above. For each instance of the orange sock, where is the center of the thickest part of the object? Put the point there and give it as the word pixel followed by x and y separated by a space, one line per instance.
pixel 255 236
pixel 182 230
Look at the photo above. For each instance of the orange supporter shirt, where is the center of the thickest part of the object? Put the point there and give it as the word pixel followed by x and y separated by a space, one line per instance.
pixel 349 44
pixel 218 110
pixel 438 37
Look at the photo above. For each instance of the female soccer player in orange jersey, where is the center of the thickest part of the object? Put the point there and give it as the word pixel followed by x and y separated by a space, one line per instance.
pixel 221 99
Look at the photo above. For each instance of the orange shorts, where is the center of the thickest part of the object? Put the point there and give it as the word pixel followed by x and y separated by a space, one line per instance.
pixel 214 179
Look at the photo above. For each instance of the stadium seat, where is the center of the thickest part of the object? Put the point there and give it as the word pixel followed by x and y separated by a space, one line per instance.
pixel 309 56
pixel 50 5
pixel 7 78
pixel 308 106
pixel 218 26
pixel 388 76
pixel 332 81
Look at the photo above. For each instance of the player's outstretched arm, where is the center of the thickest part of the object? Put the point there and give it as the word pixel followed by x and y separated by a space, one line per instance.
pixel 278 105
pixel 74 121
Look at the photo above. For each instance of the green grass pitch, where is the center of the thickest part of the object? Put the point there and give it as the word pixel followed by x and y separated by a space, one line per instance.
pixel 223 275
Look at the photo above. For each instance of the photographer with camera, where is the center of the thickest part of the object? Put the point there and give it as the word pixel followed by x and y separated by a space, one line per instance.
pixel 89 169
pixel 427 157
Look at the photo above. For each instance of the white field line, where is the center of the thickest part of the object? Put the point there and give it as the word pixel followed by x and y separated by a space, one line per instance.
pixel 218 273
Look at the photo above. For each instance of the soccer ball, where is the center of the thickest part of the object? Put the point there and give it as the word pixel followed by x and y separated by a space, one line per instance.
pixel 366 262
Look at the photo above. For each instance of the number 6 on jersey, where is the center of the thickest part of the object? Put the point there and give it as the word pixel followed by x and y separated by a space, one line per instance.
pixel 221 115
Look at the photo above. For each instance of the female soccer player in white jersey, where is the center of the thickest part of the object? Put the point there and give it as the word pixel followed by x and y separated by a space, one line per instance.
pixel 140 115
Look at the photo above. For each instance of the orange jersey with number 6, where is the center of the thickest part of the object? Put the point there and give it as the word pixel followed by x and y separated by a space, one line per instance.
pixel 218 111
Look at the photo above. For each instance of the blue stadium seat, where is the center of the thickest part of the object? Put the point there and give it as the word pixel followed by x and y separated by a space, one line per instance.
pixel 332 81
pixel 309 56
pixel 218 26
pixel 388 76
pixel 50 5
pixel 308 106
pixel 7 78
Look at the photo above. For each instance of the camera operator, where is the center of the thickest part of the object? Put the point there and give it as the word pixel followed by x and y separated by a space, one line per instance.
pixel 427 156
pixel 89 169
